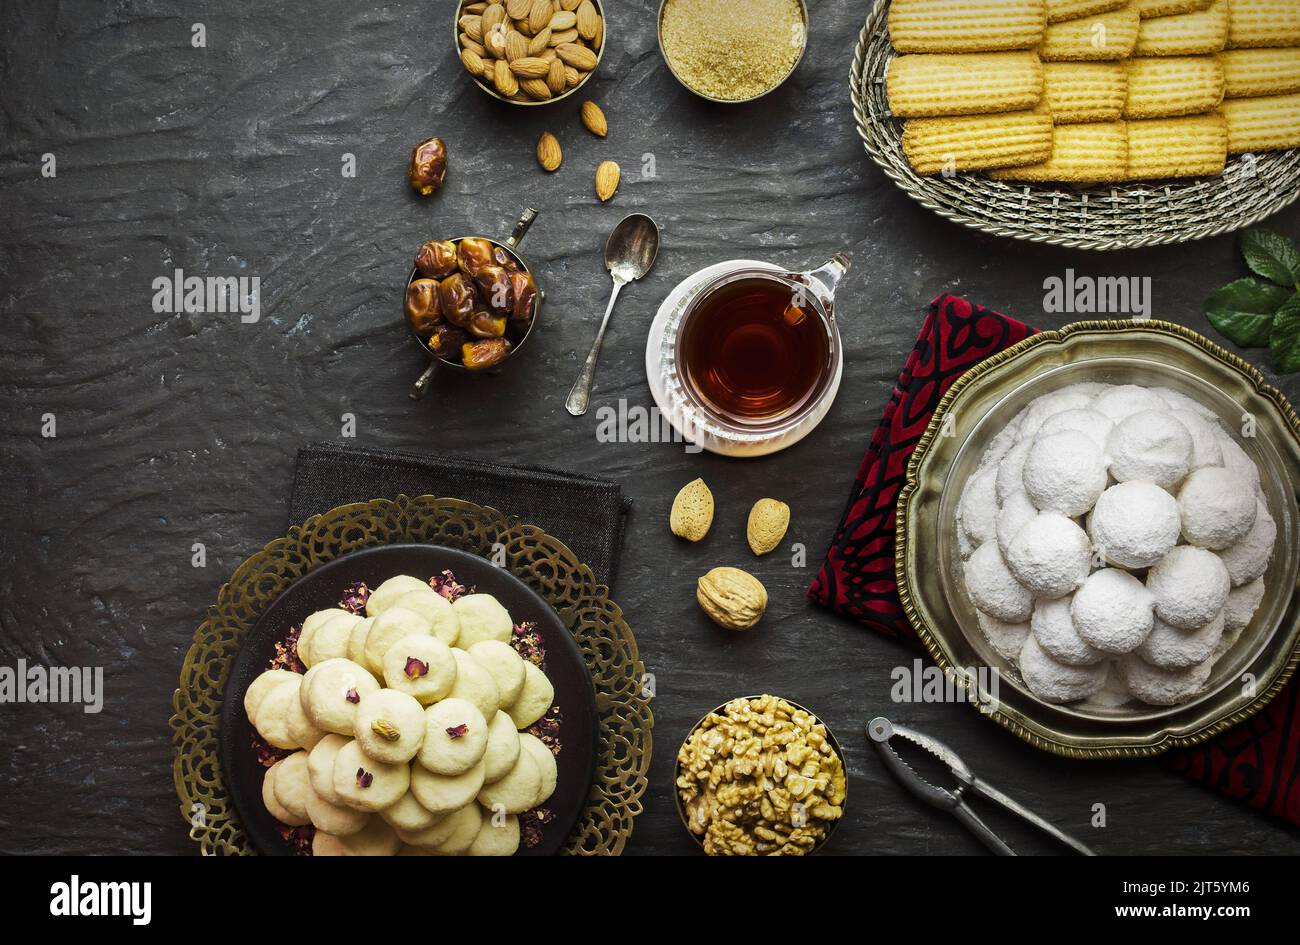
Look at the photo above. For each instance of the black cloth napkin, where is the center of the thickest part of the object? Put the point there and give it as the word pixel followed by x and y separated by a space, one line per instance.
pixel 587 513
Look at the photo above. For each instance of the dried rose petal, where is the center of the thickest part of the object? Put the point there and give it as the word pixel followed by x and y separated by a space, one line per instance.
pixel 364 778
pixel 416 668
pixel 458 731
pixel 353 696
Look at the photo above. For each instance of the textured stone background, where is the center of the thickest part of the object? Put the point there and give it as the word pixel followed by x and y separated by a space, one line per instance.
pixel 174 429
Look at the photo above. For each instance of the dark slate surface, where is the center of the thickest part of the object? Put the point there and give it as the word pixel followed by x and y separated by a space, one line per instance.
pixel 175 429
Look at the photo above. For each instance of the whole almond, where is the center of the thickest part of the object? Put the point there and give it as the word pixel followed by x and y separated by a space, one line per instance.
pixel 548 55
pixel 504 79
pixel 607 178
pixel 549 154
pixel 540 15
pixel 593 119
pixel 518 9
pixel 598 41
pixel 539 43
pixel 473 25
pixel 692 513
pixel 493 16
pixel 587 19
pixel 477 7
pixel 564 20
pixel 473 62
pixel 467 43
pixel 580 57
pixel 569 4
pixel 530 67
pixel 564 36
pixel 536 89
pixel 523 26
pixel 572 76
pixel 516 46
pixel 555 77
pixel 768 521
pixel 495 42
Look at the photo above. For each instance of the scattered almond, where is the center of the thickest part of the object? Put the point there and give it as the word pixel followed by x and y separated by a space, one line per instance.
pixel 549 154
pixel 692 511
pixel 593 119
pixel 607 178
pixel 768 521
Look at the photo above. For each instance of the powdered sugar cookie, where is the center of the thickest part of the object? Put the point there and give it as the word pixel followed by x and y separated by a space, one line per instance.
pixel 1093 424
pixel 1248 559
pixel 1007 639
pixel 1206 450
pixel 440 793
pixel 1152 446
pixel 1236 459
pixel 421 666
pixel 1171 648
pixel 482 618
pixel 331 691
pixel 366 784
pixel 475 684
pixel 333 818
pixel 410 815
pixel 1241 606
pixel 1157 686
pixel 1056 682
pixel 977 511
pixel 992 587
pixel 1016 512
pixel 1050 555
pixel 392 625
pixel 1050 405
pixel 1053 627
pixel 535 698
pixel 376 838
pixel 437 610
pixel 502 748
pixel 504 665
pixel 496 839
pixel 546 766
pixel 1180 402
pixel 1065 472
pixel 514 793
pixel 320 766
pixel 273 714
pixel 389 726
pixel 1217 507
pixel 1135 524
pixel 273 806
pixel 1011 471
pixel 1190 586
pixel 1123 401
pixel 1112 611
pixel 387 593
pixel 455 738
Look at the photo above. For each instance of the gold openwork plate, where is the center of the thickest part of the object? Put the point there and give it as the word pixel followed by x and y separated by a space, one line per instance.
pixel 546 565
pixel 927 560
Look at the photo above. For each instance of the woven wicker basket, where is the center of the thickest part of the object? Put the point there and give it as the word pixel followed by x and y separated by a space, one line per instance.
pixel 1118 217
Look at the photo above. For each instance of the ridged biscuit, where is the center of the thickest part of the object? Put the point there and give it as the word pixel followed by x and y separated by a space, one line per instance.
pixel 1162 148
pixel 966 25
pixel 1094 153
pixel 1077 92
pixel 977 142
pixel 1188 34
pixel 1255 24
pixel 937 84
pixel 1060 10
pixel 1106 37
pixel 1263 124
pixel 1255 72
pixel 1149 8
pixel 1169 86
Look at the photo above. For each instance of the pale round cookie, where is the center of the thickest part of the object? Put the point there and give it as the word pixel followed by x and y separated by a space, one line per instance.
pixel 1135 524
pixel 977 511
pixel 991 585
pixel 326 844
pixel 1050 405
pixel 1053 627
pixel 333 818
pixel 273 806
pixel 514 793
pixel 1123 401
pixel 482 618
pixel 495 839
pixel 1151 446
pixel 465 825
pixel 1241 606
pixel 502 748
pixel 455 737
pixel 301 728
pixel 1050 555
pixel 389 726
pixel 331 638
pixel 273 715
pixel 1248 559
pixel 260 687
pixel 437 833
pixel 376 838
pixel 504 665
pixel 1190 586
pixel 1238 460
pixel 474 684
pixel 1011 470
pixel 1171 648
pixel 536 697
pixel 1112 611
pixel 546 766
pixel 441 793
pixel 1056 682
pixel 433 607
pixel 387 593
pixel 409 814
pixel 1178 402
pixel 1007 639
pixel 365 784
pixel 357 644
pixel 392 625
pixel 331 691
pixel 421 666
pixel 1218 508
pixel 1206 450
pixel 1156 686
pixel 320 766
pixel 1015 514
pixel 1065 472
pixel 1091 423
pixel 307 634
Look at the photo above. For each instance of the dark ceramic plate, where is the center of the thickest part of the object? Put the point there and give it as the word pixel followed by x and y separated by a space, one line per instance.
pixel 322 588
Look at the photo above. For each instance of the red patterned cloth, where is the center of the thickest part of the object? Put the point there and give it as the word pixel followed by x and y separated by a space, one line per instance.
pixel 1257 762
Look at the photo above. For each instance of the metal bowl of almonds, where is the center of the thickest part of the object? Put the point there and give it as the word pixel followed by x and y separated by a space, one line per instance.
pixel 530 52
pixel 760 776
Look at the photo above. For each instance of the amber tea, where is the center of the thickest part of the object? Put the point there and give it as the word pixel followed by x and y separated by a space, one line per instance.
pixel 754 353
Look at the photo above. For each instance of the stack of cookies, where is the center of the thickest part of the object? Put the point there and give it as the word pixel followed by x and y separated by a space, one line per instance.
pixel 1093 91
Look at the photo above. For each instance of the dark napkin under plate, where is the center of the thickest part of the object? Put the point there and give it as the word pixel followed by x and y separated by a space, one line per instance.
pixel 587 513
pixel 1257 761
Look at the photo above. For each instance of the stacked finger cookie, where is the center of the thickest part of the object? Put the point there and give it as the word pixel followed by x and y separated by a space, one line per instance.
pixel 1093 91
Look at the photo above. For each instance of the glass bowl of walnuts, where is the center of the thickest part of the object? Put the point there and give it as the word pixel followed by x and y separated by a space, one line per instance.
pixel 530 52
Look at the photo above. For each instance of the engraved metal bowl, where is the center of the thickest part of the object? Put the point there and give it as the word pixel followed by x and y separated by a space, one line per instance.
pixel 976 407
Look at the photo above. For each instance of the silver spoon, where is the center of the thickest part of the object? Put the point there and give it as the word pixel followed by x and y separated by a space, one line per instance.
pixel 629 254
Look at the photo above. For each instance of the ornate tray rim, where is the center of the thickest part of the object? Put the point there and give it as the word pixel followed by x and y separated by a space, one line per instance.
pixel 1037 734
pixel 1096 201
pixel 624 719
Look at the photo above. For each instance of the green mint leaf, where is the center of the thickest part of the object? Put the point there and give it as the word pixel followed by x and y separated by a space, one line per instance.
pixel 1243 311
pixel 1285 339
pixel 1273 256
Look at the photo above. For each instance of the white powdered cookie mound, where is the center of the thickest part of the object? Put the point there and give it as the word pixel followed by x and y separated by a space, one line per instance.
pixel 978 509
pixel 1051 405
pixel 1206 450
pixel 320 766
pixel 1217 506
pixel 993 587
pixel 1157 686
pixel 1123 401
pixel 1007 639
pixel 1057 682
pixel 1241 606
pixel 1065 472
pixel 1190 586
pixel 1015 513
pixel 1011 470
pixel 1180 402
pixel 1093 424
pixel 1053 627
pixel 1171 648
pixel 1113 611
pixel 1152 446
pixel 1236 459
pixel 1248 559
pixel 1135 524
pixel 1050 555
